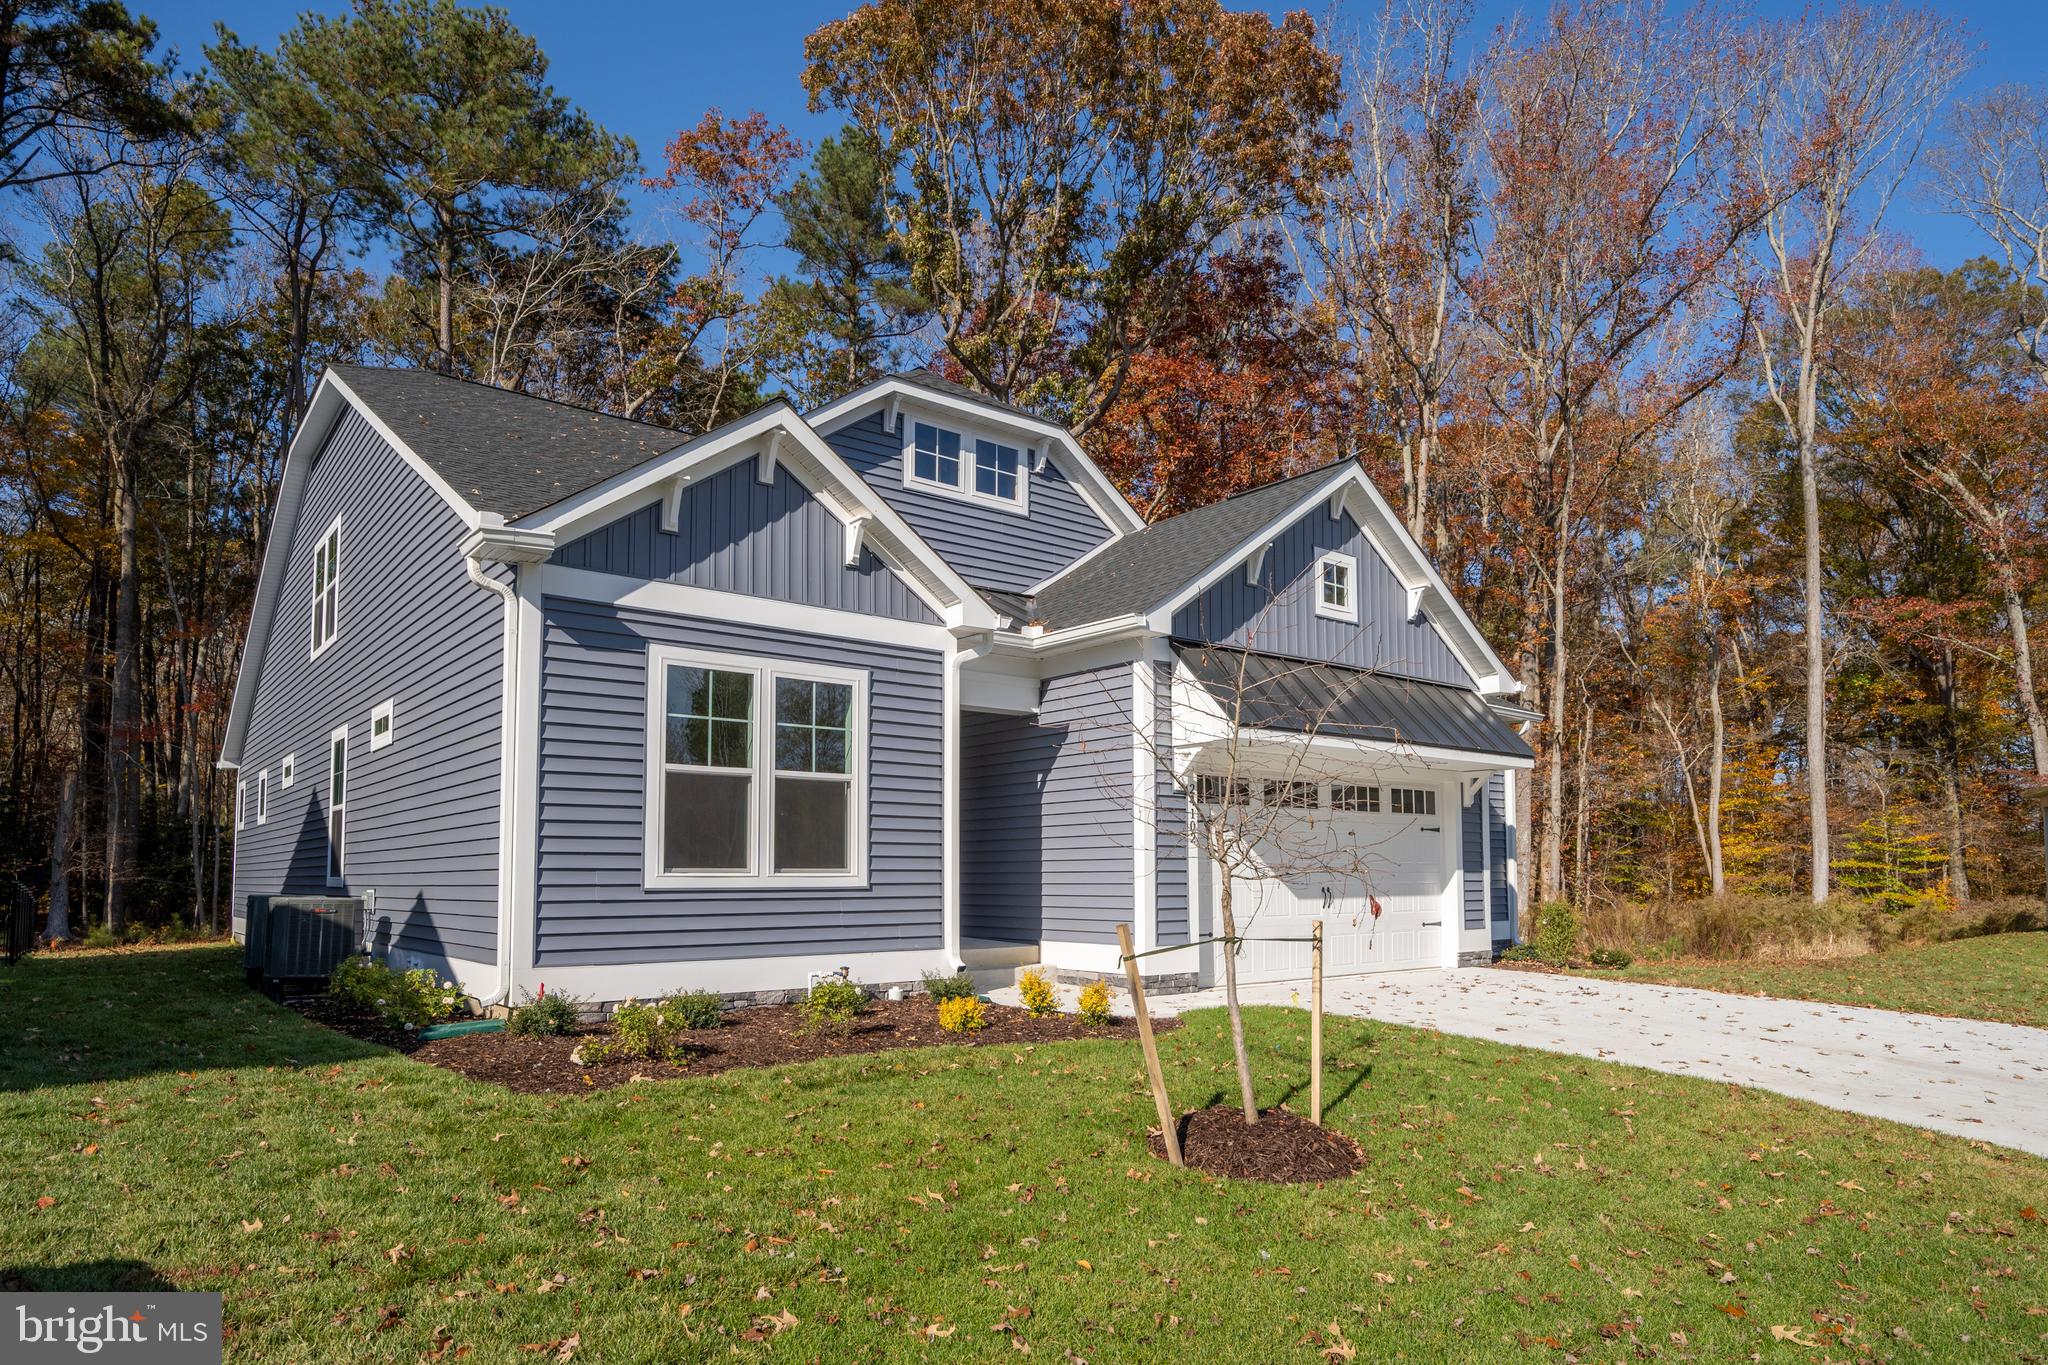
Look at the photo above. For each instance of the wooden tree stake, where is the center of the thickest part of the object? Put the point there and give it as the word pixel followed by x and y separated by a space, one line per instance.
pixel 1315 1026
pixel 1167 1128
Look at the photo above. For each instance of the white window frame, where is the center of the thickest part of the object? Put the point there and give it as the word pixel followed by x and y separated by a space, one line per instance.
pixel 241 805
pixel 970 440
pixel 1349 610
pixel 759 873
pixel 286 771
pixel 336 868
pixel 263 797
pixel 382 711
pixel 1420 800
pixel 331 593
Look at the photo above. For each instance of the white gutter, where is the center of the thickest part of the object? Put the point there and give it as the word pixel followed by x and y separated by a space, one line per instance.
pixel 492 542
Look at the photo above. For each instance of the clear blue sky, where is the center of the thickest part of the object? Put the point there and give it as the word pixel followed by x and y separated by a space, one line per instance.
pixel 646 68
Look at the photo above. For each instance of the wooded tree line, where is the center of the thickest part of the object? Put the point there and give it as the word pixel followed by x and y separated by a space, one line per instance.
pixel 1609 301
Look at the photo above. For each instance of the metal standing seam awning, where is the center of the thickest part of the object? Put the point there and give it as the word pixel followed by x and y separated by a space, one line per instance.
pixel 1331 701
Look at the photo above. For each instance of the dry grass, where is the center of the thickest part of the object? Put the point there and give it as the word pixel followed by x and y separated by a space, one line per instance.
pixel 1789 928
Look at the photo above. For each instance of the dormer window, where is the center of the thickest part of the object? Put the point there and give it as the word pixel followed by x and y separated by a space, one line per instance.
pixel 1337 587
pixel 961 465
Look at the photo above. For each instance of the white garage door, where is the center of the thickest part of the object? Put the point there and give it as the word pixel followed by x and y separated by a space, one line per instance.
pixel 1404 859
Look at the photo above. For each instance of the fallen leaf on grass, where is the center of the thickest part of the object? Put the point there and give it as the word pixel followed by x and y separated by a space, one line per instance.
pixel 1733 1310
pixel 1790 1334
pixel 565 1349
pixel 397 1254
pixel 248 1224
pixel 934 1330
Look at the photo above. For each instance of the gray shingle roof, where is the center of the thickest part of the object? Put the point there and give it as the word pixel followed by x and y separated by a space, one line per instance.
pixel 1142 570
pixel 510 453
pixel 926 379
pixel 1349 703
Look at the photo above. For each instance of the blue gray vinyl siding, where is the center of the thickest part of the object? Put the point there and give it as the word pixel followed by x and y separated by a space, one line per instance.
pixel 1004 762
pixel 422 812
pixel 1501 836
pixel 1472 858
pixel 593 908
pixel 1087 818
pixel 736 534
pixel 1277 615
pixel 1170 819
pixel 986 545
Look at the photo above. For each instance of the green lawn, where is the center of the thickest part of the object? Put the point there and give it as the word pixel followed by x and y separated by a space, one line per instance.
pixel 164 1125
pixel 2003 977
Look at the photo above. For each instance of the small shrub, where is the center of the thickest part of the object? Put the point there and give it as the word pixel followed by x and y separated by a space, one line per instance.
pixel 962 1014
pixel 641 1031
pixel 1612 958
pixel 958 986
pixel 99 936
pixel 1556 934
pixel 1520 952
pixel 1094 1009
pixel 698 1009
pixel 1039 996
pixel 410 1000
pixel 551 1016
pixel 832 1005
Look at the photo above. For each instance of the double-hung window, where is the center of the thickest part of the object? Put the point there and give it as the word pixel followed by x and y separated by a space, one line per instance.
pixel 756 772
pixel 326 587
pixel 1337 587
pixel 976 468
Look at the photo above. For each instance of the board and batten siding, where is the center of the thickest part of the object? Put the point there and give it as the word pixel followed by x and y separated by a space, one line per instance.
pixel 736 534
pixel 1086 808
pixel 986 545
pixel 1472 858
pixel 1277 615
pixel 1169 819
pixel 1501 837
pixel 411 629
pixel 1005 761
pixel 593 908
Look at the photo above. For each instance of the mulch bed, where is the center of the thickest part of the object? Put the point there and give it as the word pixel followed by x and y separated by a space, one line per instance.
pixel 1282 1147
pixel 762 1035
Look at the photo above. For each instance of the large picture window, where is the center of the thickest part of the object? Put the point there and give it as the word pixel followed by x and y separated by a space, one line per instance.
pixel 757 772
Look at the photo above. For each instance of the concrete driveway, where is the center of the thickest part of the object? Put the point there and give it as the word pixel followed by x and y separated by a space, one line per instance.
pixel 1976 1080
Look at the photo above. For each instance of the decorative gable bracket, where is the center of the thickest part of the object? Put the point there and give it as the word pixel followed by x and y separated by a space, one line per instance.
pixel 1415 595
pixel 1469 787
pixel 771 455
pixel 856 538
pixel 672 503
pixel 1255 563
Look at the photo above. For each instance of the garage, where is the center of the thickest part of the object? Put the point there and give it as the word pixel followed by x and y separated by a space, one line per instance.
pixel 1375 838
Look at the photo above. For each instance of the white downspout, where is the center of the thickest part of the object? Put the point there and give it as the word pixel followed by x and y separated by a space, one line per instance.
pixel 501 987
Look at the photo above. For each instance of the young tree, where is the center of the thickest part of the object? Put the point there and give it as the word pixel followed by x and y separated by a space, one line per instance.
pixel 1069 169
pixel 1834 131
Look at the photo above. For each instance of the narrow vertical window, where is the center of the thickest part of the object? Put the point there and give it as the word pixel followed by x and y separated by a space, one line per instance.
pixel 326 587
pixel 242 805
pixel 813 776
pixel 707 770
pixel 263 797
pixel 337 803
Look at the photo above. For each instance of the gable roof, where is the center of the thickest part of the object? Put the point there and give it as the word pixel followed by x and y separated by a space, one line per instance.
pixel 500 451
pixel 1131 576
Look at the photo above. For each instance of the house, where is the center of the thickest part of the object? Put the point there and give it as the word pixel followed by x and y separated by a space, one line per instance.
pixel 895 685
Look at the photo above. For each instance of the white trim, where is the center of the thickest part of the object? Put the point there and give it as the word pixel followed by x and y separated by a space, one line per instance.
pixel 1103 958
pixel 949 804
pixel 646 980
pixel 241 804
pixel 1113 539
pixel 968 461
pixel 383 711
pixel 330 595
pixel 524 798
pixel 1348 612
pixel 263 797
pixel 337 847
pixel 761 772
pixel 894 395
pixel 462 506
pixel 287 772
pixel 1256 562
pixel 1513 866
pixel 679 599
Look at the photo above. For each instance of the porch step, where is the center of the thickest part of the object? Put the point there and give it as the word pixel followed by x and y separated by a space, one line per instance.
pixel 993 966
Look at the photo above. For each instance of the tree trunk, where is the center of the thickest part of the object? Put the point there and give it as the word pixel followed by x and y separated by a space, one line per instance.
pixel 58 928
pixel 124 791
pixel 2023 666
pixel 1246 1098
pixel 1553 814
pixel 1816 675
pixel 1717 758
pixel 444 268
